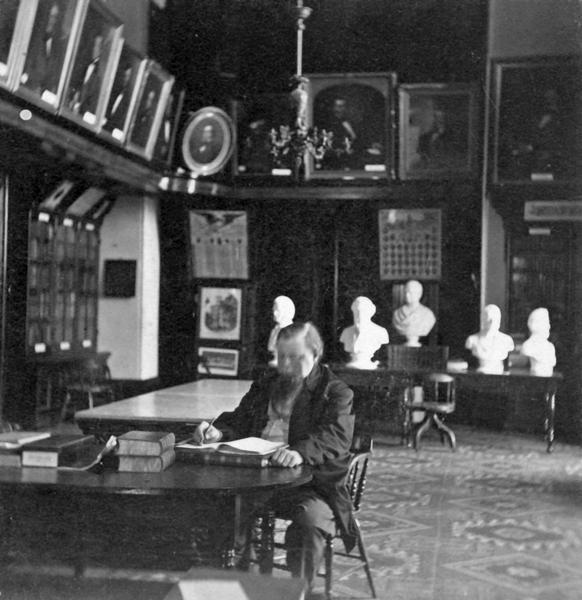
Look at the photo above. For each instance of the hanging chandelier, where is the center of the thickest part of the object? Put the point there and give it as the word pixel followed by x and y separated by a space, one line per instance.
pixel 297 141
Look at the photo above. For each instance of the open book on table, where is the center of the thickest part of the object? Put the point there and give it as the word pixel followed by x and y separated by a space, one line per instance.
pixel 249 446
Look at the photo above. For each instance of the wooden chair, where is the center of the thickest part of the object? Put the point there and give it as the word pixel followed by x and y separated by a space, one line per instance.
pixel 438 401
pixel 90 378
pixel 356 484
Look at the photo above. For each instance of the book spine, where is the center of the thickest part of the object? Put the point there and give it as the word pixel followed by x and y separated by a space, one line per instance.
pixel 38 458
pixel 10 460
pixel 146 448
pixel 146 464
pixel 218 458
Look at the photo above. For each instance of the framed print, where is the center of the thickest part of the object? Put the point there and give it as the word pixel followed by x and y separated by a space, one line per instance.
pixel 149 109
pixel 124 92
pixel 437 131
pixel 55 30
pixel 15 29
pixel 219 244
pixel 218 361
pixel 255 118
pixel 410 244
pixel 89 82
pixel 356 109
pixel 538 121
pixel 208 141
pixel 220 313
pixel 164 146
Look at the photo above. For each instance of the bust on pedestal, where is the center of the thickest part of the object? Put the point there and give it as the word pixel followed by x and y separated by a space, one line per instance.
pixel 283 313
pixel 540 351
pixel 364 338
pixel 490 346
pixel 413 320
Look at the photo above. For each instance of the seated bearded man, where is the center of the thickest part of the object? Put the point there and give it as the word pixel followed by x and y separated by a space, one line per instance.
pixel 303 404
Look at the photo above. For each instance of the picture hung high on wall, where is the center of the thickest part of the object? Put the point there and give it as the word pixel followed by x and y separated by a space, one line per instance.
pixel 255 118
pixel 89 82
pixel 155 87
pixel 437 131
pixel 15 29
pixel 357 110
pixel 538 121
pixel 219 244
pixel 49 54
pixel 220 313
pixel 165 144
pixel 208 141
pixel 218 361
pixel 129 73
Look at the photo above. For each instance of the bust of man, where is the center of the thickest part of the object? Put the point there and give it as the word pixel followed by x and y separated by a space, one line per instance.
pixel 283 314
pixel 540 351
pixel 489 345
pixel 363 339
pixel 413 319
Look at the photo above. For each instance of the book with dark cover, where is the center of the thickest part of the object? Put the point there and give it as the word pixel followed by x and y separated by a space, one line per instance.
pixel 10 458
pixel 12 440
pixel 55 451
pixel 212 457
pixel 145 443
pixel 129 463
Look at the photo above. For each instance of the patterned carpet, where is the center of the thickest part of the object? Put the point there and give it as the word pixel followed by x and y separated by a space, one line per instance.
pixel 498 520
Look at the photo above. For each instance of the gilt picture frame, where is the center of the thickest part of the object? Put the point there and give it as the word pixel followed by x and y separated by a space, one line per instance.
pixel 437 131
pixel 218 361
pixel 220 313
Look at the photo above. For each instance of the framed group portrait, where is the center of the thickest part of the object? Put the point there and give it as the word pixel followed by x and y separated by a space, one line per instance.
pixel 255 118
pixel 437 131
pixel 220 313
pixel 537 125
pixel 125 87
pixel 50 49
pixel 88 85
pixel 154 91
pixel 356 108
pixel 207 141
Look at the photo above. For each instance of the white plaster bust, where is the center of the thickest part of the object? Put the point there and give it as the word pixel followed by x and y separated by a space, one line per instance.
pixel 540 351
pixel 363 339
pixel 283 314
pixel 413 319
pixel 489 345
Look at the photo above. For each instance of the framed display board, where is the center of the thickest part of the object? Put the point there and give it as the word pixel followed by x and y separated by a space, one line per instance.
pixel 220 313
pixel 410 244
pixel 219 244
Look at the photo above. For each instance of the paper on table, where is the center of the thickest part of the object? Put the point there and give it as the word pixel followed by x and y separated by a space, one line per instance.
pixel 248 445
pixel 204 589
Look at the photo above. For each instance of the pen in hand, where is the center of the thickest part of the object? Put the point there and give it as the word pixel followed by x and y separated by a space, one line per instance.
pixel 203 440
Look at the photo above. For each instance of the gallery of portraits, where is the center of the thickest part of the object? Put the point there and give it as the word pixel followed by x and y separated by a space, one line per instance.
pixel 291 288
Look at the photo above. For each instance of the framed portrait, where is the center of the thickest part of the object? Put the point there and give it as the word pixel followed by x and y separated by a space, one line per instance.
pixel 219 244
pixel 220 313
pixel 15 30
pixel 357 110
pixel 208 141
pixel 164 146
pixel 154 90
pixel 125 86
pixel 218 361
pixel 55 29
pixel 537 122
pixel 88 85
pixel 437 131
pixel 255 118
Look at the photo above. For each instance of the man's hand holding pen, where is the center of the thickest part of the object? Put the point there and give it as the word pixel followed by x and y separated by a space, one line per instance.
pixel 206 433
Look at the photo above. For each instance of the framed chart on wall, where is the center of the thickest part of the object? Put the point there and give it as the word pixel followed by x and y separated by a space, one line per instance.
pixel 410 244
pixel 219 244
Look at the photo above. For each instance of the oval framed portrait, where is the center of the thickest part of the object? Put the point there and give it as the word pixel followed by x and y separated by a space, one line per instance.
pixel 208 141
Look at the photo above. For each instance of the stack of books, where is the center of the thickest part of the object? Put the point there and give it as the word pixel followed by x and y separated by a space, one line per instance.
pixel 57 451
pixel 145 451
pixel 12 443
pixel 245 452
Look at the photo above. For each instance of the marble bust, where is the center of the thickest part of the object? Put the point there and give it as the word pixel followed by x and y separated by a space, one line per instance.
pixel 283 314
pixel 413 319
pixel 363 339
pixel 540 351
pixel 489 345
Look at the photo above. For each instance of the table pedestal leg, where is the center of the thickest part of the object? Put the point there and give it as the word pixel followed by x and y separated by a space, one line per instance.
pixel 550 401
